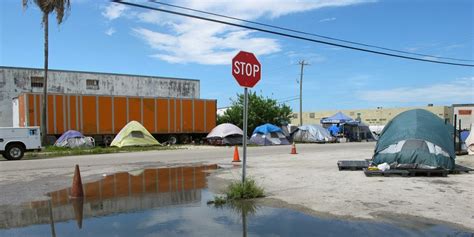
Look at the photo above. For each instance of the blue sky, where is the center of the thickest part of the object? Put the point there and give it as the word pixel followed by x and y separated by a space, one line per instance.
pixel 104 37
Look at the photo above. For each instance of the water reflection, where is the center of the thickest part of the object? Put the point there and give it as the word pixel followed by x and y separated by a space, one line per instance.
pixel 173 202
pixel 118 193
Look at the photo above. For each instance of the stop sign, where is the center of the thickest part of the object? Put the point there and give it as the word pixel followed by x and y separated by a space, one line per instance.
pixel 246 69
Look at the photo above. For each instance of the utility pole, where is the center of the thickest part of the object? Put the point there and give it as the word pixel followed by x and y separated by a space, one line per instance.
pixel 302 63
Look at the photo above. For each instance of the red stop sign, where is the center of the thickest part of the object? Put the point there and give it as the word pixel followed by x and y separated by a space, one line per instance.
pixel 246 69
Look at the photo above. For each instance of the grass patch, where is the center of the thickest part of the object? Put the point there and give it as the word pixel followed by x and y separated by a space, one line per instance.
pixel 237 191
pixel 53 151
pixel 247 190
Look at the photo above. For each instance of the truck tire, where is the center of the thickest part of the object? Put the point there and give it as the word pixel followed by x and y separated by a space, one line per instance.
pixel 14 152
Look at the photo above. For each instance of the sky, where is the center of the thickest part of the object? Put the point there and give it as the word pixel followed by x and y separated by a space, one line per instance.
pixel 100 36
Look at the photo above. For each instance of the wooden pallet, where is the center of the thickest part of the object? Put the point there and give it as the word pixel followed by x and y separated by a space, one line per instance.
pixel 352 165
pixel 387 173
pixel 407 172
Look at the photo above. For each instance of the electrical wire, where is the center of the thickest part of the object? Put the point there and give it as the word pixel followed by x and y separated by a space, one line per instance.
pixel 290 36
pixel 307 33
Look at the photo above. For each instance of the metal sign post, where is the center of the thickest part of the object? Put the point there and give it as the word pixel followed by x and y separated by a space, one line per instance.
pixel 244 142
pixel 247 71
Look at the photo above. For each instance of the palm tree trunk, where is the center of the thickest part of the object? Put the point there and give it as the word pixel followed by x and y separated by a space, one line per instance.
pixel 45 81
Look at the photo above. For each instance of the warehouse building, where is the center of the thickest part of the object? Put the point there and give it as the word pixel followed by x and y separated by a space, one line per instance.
pixel 464 112
pixel 14 81
pixel 378 116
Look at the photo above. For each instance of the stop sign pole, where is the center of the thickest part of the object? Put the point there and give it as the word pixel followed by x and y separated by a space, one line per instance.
pixel 247 72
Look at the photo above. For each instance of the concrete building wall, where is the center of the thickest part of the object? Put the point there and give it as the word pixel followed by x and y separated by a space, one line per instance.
pixel 378 116
pixel 14 81
pixel 465 113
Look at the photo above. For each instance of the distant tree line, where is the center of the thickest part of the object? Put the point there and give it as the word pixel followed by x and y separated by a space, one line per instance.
pixel 261 110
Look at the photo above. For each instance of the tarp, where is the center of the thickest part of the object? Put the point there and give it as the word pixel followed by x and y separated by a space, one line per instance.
pixel 416 139
pixel 268 134
pixel 339 117
pixel 134 134
pixel 69 134
pixel 311 133
pixel 334 129
pixel 74 139
pixel 464 134
pixel 470 141
pixel 225 134
pixel 266 128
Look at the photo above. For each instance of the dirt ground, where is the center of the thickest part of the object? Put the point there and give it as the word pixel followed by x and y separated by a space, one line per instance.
pixel 309 181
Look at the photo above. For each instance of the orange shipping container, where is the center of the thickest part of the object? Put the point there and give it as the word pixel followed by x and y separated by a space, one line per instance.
pixel 106 115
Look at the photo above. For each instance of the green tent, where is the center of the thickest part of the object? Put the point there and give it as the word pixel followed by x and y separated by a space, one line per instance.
pixel 416 139
pixel 134 134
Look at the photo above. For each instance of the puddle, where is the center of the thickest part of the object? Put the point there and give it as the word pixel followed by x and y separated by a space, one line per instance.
pixel 172 202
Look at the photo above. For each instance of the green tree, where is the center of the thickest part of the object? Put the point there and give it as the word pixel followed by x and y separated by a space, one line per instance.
pixel 61 7
pixel 261 110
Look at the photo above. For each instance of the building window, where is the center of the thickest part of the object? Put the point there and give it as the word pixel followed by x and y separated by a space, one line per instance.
pixel 311 115
pixel 92 84
pixel 37 81
pixel 295 116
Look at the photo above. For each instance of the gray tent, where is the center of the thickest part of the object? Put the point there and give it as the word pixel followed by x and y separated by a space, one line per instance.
pixel 225 134
pixel 311 133
pixel 268 134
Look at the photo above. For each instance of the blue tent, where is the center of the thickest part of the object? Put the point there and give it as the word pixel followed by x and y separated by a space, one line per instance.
pixel 268 134
pixel 267 128
pixel 339 117
pixel 69 134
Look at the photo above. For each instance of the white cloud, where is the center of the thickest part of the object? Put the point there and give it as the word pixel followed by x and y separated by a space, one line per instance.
pixel 327 19
pixel 185 40
pixel 110 31
pixel 113 11
pixel 457 91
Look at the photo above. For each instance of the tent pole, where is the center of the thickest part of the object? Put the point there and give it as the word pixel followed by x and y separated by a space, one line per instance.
pixel 455 120
pixel 459 132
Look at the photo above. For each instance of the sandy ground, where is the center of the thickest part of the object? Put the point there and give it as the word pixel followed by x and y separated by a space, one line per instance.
pixel 312 180
pixel 309 179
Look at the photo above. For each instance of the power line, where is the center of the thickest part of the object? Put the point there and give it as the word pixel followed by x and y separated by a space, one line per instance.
pixel 308 33
pixel 291 36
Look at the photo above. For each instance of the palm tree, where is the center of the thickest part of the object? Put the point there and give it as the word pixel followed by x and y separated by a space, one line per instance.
pixel 61 7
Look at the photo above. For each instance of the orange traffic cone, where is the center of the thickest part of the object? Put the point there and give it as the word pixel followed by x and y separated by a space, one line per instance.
pixel 76 189
pixel 236 155
pixel 293 149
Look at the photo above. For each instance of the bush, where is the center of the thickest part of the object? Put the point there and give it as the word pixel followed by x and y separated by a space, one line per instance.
pixel 247 190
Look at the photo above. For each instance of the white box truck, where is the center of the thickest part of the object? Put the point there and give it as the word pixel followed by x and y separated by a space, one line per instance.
pixel 15 141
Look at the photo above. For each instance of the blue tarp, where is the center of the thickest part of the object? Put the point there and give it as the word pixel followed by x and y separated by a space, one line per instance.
pixel 464 135
pixel 267 128
pixel 334 129
pixel 339 117
pixel 69 134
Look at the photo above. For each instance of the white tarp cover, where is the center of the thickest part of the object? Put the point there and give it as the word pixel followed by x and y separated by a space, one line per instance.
pixel 224 130
pixel 311 133
pixel 77 142
pixel 470 141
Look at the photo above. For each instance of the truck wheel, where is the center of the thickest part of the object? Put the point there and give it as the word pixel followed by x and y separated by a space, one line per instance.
pixel 14 152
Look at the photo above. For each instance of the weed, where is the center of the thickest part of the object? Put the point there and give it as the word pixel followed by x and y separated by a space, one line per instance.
pixel 246 190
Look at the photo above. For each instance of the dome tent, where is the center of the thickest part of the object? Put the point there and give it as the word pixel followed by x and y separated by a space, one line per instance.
pixel 134 134
pixel 311 133
pixel 268 134
pixel 74 139
pixel 225 134
pixel 416 139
